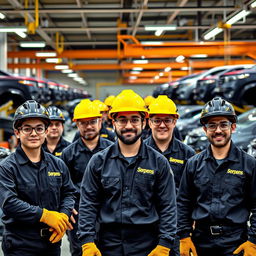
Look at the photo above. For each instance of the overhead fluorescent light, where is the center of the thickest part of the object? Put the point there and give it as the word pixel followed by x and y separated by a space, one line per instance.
pixel 212 33
pixel 67 71
pixel 199 56
pixel 156 77
pixel 133 77
pixel 160 27
pixel 143 57
pixel 13 29
pixel 61 67
pixel 185 68
pixel 180 59
pixel 237 17
pixel 140 61
pixel 53 60
pixel 253 5
pixel 152 42
pixel 21 34
pixel 135 72
pixel 32 44
pixel 161 74
pixel 2 16
pixel 73 75
pixel 167 69
pixel 46 54
pixel 137 69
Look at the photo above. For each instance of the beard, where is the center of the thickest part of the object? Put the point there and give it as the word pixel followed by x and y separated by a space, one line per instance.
pixel 89 134
pixel 128 140
pixel 222 143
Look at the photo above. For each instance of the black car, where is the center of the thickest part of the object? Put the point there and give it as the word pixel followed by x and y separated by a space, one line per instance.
pixel 238 87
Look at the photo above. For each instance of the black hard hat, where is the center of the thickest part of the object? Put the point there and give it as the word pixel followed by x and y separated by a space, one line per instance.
pixel 55 114
pixel 218 107
pixel 30 109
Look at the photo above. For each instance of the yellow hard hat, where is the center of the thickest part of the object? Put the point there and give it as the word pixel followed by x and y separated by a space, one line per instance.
pixel 128 101
pixel 99 104
pixel 108 101
pixel 148 100
pixel 163 105
pixel 86 109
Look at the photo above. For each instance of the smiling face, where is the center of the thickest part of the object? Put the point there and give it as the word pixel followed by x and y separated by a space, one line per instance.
pixel 34 139
pixel 89 128
pixel 221 136
pixel 128 126
pixel 162 126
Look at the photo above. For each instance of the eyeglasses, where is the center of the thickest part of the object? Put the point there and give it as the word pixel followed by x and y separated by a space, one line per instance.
pixel 224 126
pixel 157 121
pixel 29 129
pixel 123 121
pixel 89 122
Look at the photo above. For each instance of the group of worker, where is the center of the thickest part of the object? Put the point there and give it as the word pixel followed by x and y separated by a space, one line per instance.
pixel 115 194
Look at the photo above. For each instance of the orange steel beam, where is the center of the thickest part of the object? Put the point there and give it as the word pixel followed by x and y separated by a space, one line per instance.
pixel 146 74
pixel 147 81
pixel 203 64
pixel 167 50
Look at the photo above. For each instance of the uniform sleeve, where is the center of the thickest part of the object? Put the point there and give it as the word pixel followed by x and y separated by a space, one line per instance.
pixel 11 204
pixel 166 206
pixel 89 202
pixel 252 228
pixel 67 192
pixel 185 203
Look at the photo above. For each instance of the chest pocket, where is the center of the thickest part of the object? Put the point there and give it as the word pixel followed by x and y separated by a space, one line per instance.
pixel 234 179
pixel 111 185
pixel 202 183
pixel 28 192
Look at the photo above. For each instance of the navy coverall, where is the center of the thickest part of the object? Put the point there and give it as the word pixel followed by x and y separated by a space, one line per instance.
pixel 220 199
pixel 177 155
pixel 76 156
pixel 62 144
pixel 133 202
pixel 25 189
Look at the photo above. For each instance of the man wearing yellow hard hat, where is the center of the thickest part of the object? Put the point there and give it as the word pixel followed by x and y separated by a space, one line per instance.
pixel 162 120
pixel 77 155
pixel 128 189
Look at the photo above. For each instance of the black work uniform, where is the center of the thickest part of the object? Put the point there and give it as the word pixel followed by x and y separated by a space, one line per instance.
pixel 177 155
pixel 133 202
pixel 76 156
pixel 219 198
pixel 61 145
pixel 25 189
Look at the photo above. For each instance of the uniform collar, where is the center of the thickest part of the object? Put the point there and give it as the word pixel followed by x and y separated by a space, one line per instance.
pixel 22 157
pixel 173 145
pixel 116 153
pixel 233 154
pixel 83 147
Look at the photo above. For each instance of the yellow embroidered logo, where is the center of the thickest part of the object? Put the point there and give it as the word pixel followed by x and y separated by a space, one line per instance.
pixel 104 135
pixel 58 153
pixel 235 172
pixel 145 170
pixel 178 161
pixel 54 174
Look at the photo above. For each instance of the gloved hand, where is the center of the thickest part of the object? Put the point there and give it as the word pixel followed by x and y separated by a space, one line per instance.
pixel 187 246
pixel 56 220
pixel 160 251
pixel 248 247
pixel 90 249
pixel 55 237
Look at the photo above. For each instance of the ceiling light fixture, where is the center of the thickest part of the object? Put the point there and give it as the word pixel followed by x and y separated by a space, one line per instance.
pixel 253 5
pixel 67 71
pixel 53 60
pixel 35 44
pixel 212 33
pixel 180 59
pixel 2 16
pixel 199 56
pixel 135 72
pixel 73 75
pixel 140 61
pixel 151 43
pixel 167 69
pixel 238 17
pixel 46 54
pixel 61 67
pixel 161 74
pixel 137 69
pixel 133 77
pixel 20 31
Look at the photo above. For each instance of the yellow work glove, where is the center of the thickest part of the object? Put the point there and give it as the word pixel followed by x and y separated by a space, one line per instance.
pixel 90 249
pixel 160 251
pixel 56 220
pixel 187 247
pixel 248 247
pixel 55 237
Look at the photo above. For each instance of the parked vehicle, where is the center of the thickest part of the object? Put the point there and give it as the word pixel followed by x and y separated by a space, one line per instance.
pixel 238 87
pixel 205 86
pixel 185 92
